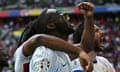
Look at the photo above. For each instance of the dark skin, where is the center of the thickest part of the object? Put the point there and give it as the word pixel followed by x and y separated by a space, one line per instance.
pixel 50 42
pixel 98 44
pixel 87 38
pixel 98 41
pixel 62 45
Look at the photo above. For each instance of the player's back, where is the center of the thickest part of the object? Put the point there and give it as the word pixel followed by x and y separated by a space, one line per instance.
pixel 21 61
pixel 47 60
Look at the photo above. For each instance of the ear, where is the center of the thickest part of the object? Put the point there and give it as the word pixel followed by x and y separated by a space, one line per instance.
pixel 51 26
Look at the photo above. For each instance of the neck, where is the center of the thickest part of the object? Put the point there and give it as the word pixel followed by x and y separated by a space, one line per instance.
pixel 92 55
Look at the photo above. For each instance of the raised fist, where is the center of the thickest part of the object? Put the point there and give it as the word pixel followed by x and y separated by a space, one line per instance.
pixel 86 8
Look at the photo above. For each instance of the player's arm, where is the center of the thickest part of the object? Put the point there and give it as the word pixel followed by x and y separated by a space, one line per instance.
pixel 49 41
pixel 55 43
pixel 87 40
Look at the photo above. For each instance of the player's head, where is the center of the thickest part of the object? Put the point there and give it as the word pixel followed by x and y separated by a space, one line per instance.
pixel 57 24
pixel 49 22
pixel 99 40
pixel 98 37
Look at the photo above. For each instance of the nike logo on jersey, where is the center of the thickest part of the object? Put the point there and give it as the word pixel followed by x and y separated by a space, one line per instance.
pixel 64 64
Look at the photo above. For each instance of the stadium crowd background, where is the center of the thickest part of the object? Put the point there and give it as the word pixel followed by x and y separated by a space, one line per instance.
pixel 11 27
pixel 23 4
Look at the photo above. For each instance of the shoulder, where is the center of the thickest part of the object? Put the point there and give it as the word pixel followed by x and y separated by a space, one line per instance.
pixel 104 61
pixel 101 58
pixel 19 52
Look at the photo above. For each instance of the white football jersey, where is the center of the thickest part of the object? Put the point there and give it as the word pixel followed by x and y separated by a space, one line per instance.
pixel 76 66
pixel 21 62
pixel 103 65
pixel 47 60
pixel 100 65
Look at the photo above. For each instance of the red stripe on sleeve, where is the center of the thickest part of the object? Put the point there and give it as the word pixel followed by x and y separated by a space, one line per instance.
pixel 26 67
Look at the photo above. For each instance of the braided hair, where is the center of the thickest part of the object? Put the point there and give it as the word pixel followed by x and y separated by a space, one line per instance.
pixel 38 26
pixel 31 29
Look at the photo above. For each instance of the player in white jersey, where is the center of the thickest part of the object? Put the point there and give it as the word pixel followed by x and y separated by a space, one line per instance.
pixel 24 52
pixel 101 64
pixel 47 60
pixel 21 60
pixel 29 41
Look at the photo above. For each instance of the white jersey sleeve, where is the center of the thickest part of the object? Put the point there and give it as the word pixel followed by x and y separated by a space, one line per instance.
pixel 21 61
pixel 47 60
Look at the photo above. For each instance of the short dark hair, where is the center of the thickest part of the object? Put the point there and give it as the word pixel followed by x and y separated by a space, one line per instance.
pixel 78 34
pixel 30 29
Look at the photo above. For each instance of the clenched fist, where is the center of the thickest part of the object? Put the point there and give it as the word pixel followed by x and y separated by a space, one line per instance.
pixel 86 8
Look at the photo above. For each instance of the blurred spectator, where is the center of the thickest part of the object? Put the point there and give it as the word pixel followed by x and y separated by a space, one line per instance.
pixel 26 4
pixel 3 59
pixel 11 30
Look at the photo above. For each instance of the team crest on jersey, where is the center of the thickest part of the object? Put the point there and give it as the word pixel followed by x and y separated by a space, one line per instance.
pixel 45 64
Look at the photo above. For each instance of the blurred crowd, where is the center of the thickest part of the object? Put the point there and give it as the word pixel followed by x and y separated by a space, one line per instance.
pixel 11 30
pixel 30 4
pixel 9 34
